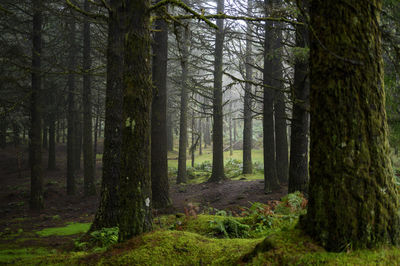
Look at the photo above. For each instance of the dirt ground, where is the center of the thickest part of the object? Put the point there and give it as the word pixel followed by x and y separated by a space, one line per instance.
pixel 61 208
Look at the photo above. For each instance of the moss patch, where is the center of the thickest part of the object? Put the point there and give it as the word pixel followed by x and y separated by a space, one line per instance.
pixel 70 229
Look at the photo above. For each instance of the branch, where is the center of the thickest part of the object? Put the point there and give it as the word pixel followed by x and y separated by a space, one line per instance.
pixel 225 16
pixel 185 7
pixel 88 14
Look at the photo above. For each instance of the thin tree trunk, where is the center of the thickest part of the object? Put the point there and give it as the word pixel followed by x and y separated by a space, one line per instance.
pixel 88 171
pixel 230 131
pixel 193 149
pixel 35 148
pixel 170 134
pixel 281 138
pixel 45 144
pixel 183 135
pixel 159 141
pixel 298 170
pixel 217 136
pixel 200 137
pixel 247 114
pixel 51 163
pixel 72 116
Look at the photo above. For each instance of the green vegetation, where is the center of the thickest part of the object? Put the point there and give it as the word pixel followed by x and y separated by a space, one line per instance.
pixel 259 235
pixel 69 229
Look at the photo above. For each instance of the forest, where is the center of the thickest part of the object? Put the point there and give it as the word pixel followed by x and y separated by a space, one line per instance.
pixel 199 132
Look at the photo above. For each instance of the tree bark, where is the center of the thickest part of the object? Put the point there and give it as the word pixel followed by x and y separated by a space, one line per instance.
pixel 135 180
pixel 35 147
pixel 170 134
pixel 353 200
pixel 88 168
pixel 183 134
pixel 72 116
pixel 159 141
pixel 217 136
pixel 51 163
pixel 298 170
pixel 107 212
pixel 247 114
pixel 270 174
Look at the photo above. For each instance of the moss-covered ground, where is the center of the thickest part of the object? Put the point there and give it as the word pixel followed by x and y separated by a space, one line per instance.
pixel 259 235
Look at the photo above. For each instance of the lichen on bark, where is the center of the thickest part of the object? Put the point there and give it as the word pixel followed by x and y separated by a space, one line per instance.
pixel 353 200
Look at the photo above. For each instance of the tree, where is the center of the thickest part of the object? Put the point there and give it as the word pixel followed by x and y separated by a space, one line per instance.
pixel 35 149
pixel 217 131
pixel 247 113
pixel 353 201
pixel 72 115
pixel 107 212
pixel 88 174
pixel 159 163
pixel 183 133
pixel 135 180
pixel 298 169
pixel 270 174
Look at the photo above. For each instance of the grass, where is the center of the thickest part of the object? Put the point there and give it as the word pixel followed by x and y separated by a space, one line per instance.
pixel 257 156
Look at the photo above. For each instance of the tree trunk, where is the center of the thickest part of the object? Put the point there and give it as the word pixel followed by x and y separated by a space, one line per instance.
pixel 170 134
pixel 183 135
pixel 79 133
pixel 35 148
pixel 230 131
pixel 72 116
pixel 3 130
pixel 218 136
pixel 207 133
pixel 88 168
pixel 270 174
pixel 353 201
pixel 135 179
pixel 193 149
pixel 247 114
pixel 51 163
pixel 107 212
pixel 298 170
pixel 200 137
pixel 45 144
pixel 159 141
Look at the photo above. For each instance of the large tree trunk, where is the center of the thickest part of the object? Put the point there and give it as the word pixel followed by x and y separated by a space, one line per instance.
pixel 298 170
pixel 270 174
pixel 88 168
pixel 72 116
pixel 353 201
pixel 35 147
pixel 247 114
pixel 159 142
pixel 217 135
pixel 135 179
pixel 107 212
pixel 183 134
pixel 3 130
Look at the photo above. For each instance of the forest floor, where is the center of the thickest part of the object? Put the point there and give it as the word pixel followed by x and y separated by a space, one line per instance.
pixel 60 208
pixel 229 223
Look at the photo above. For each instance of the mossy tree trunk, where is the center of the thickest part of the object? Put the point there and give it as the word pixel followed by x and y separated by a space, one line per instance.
pixel 134 216
pixel 159 163
pixel 270 174
pixel 35 147
pixel 217 128
pixel 298 170
pixel 107 212
pixel 353 200
pixel 88 165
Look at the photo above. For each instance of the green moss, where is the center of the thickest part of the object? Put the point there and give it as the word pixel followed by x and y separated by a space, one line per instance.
pixel 70 229
pixel 180 248
pixel 12 256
